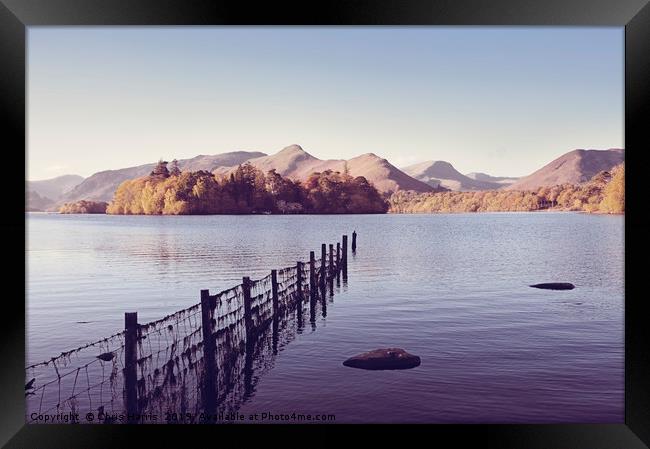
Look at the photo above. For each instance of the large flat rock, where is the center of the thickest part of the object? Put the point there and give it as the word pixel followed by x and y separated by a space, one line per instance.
pixel 383 359
pixel 554 286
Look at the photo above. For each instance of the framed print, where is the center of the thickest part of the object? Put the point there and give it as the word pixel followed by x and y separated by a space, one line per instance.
pixel 414 217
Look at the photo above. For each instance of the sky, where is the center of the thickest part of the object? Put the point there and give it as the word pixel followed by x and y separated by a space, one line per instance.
pixel 499 100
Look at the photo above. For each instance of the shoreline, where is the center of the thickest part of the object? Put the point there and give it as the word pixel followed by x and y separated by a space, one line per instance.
pixel 550 211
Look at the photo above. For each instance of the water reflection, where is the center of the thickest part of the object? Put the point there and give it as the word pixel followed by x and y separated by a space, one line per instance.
pixel 260 355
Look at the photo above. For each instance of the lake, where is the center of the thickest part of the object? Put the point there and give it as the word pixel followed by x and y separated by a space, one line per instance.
pixel 451 288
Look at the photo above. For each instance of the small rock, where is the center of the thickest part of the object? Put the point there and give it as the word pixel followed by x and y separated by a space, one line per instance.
pixel 555 286
pixel 383 359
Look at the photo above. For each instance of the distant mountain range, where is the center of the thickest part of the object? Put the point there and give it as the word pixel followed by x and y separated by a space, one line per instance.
pixel 503 180
pixel 42 194
pixel 295 163
pixel 55 187
pixel 574 167
pixel 441 173
pixel 102 185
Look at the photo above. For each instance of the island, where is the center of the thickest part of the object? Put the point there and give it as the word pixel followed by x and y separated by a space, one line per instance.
pixel 247 190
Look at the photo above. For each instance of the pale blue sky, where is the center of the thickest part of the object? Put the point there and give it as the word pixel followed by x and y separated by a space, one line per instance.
pixel 500 100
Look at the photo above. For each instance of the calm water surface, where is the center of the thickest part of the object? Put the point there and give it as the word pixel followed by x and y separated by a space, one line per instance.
pixel 452 289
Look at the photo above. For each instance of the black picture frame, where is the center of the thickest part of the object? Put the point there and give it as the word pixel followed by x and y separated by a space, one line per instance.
pixel 634 15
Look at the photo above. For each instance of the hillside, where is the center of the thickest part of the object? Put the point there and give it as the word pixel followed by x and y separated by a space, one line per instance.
pixel 574 167
pixel 210 162
pixel 502 180
pixel 102 185
pixel 55 187
pixel 36 203
pixel 603 193
pixel 443 173
pixel 295 163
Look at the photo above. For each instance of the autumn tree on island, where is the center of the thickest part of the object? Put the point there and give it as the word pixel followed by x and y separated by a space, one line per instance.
pixel 614 194
pixel 335 193
pixel 175 171
pixel 84 207
pixel 160 170
pixel 244 191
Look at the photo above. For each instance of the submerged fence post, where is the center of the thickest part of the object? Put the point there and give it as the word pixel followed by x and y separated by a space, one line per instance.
pixel 248 319
pixel 338 257
pixel 209 350
pixel 330 272
pixel 276 312
pixel 345 256
pixel 274 290
pixel 323 274
pixel 313 290
pixel 354 241
pixel 299 282
pixel 312 275
pixel 323 265
pixel 299 293
pixel 130 365
pixel 338 264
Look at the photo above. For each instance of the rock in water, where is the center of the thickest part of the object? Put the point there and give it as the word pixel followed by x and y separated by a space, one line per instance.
pixel 555 286
pixel 381 359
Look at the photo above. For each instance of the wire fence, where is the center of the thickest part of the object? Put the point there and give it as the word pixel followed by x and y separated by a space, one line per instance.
pixel 193 365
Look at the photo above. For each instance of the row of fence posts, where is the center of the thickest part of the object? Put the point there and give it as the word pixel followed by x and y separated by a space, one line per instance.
pixel 132 328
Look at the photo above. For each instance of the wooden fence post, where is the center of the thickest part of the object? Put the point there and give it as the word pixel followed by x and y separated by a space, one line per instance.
pixel 354 241
pixel 338 258
pixel 323 265
pixel 130 365
pixel 330 273
pixel 323 272
pixel 209 354
pixel 274 290
pixel 345 256
pixel 248 318
pixel 299 282
pixel 276 309
pixel 312 275
pixel 299 296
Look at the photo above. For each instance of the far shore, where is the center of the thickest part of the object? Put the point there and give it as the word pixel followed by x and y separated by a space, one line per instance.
pixel 554 211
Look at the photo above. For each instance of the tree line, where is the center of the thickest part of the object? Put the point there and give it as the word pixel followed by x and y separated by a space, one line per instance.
pixel 604 193
pixel 247 190
pixel 84 207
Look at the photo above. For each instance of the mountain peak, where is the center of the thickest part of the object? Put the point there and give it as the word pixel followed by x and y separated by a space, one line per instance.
pixel 442 173
pixel 437 169
pixel 295 163
pixel 574 167
pixel 442 164
pixel 293 150
pixel 503 181
pixel 368 157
